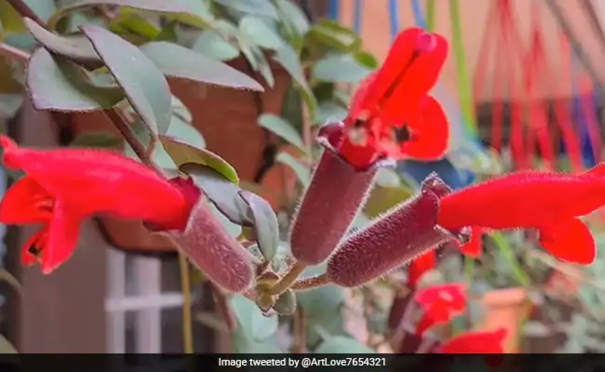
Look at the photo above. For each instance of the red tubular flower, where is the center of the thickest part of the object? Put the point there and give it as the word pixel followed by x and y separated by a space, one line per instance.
pixel 440 304
pixel 419 266
pixel 408 231
pixel 391 112
pixel 552 203
pixel 478 342
pixel 64 186
pixel 391 117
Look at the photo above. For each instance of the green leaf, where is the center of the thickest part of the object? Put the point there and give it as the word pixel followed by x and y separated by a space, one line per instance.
pixel 339 68
pixel 251 321
pixel 182 153
pixel 262 66
pixel 161 6
pixel 9 104
pixel 6 347
pixel 256 32
pixel 293 16
pixel 264 221
pixel 342 345
pixel 77 48
pixel 330 111
pixel 179 62
pixel 98 140
pixel 288 58
pixel 321 326
pixel 244 345
pixel 320 300
pixel 211 44
pixel 222 192
pixel 366 60
pixel 258 7
pixel 10 19
pixel 146 88
pixel 302 173
pixel 334 35
pixel 134 23
pixel 282 128
pixel 57 84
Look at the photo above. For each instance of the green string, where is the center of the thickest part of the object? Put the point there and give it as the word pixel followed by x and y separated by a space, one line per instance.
pixel 466 99
pixel 507 251
pixel 430 15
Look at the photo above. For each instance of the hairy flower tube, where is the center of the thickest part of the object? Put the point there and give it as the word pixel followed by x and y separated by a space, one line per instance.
pixel 551 203
pixel 391 117
pixel 210 247
pixel 404 233
pixel 61 187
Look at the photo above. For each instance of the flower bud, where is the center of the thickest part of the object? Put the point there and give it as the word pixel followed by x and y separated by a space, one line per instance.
pixel 406 232
pixel 336 193
pixel 210 247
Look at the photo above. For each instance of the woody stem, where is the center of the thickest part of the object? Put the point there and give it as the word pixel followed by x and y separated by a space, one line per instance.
pixel 287 280
pixel 25 11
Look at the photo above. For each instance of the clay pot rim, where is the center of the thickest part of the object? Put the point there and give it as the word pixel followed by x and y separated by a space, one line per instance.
pixel 505 297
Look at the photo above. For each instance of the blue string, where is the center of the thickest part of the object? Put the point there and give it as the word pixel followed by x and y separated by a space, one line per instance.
pixel 333 9
pixel 580 119
pixel 417 10
pixel 357 15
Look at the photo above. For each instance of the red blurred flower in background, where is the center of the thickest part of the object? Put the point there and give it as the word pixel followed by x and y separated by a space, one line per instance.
pixel 64 186
pixel 552 203
pixel 476 342
pixel 391 113
pixel 440 304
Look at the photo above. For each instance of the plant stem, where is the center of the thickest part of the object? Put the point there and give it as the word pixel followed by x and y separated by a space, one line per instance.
pixel 469 268
pixel 26 11
pixel 287 280
pixel 186 288
pixel 312 282
pixel 121 124
pixel 508 253
pixel 13 53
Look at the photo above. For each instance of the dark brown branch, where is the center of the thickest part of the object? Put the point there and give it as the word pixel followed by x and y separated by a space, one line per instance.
pixel 26 11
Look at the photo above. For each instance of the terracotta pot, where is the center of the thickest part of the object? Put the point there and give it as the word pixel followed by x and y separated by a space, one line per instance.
pixel 506 308
pixel 227 120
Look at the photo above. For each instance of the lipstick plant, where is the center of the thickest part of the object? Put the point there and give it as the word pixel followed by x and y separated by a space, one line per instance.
pixel 257 276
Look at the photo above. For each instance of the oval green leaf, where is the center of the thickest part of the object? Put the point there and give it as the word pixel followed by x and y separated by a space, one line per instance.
pixel 55 83
pixel 258 7
pixel 339 68
pixel 222 192
pixel 320 300
pixel 282 128
pixel 97 140
pixel 77 48
pixel 334 35
pixel 288 58
pixel 257 32
pixel 146 87
pixel 160 6
pixel 179 62
pixel 182 152
pixel 251 322
pixel 211 44
pixel 302 173
pixel 265 223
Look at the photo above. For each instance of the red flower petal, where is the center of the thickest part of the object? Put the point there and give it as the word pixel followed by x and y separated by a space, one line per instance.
pixel 474 247
pixel 523 199
pixel 570 240
pixel 25 202
pixel 96 181
pixel 430 133
pixel 419 266
pixel 63 234
pixel 478 342
pixel 440 305
pixel 37 241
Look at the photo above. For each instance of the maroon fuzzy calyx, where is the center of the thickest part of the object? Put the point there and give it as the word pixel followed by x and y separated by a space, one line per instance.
pixel 396 238
pixel 335 194
pixel 210 247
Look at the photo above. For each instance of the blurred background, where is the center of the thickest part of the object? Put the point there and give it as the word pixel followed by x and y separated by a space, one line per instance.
pixel 522 88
